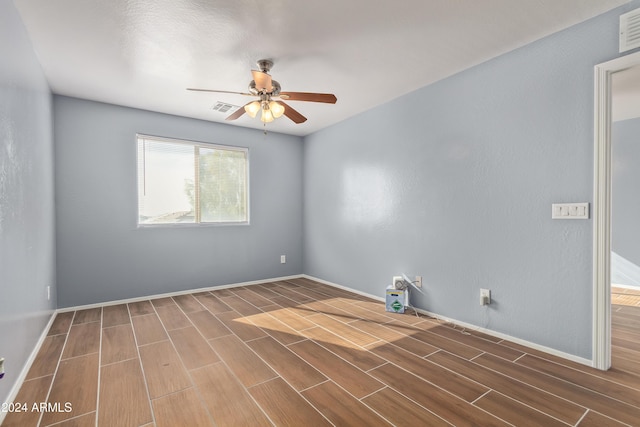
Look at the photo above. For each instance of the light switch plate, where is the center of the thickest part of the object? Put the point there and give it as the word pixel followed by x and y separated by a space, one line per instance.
pixel 570 211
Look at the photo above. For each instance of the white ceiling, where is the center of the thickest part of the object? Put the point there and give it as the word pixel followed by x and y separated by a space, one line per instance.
pixel 144 53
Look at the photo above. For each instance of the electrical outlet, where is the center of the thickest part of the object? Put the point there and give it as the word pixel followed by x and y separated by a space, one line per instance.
pixel 418 281
pixel 283 259
pixel 395 280
pixel 485 297
pixel 48 293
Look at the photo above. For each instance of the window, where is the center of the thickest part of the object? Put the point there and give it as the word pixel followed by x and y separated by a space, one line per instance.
pixel 184 182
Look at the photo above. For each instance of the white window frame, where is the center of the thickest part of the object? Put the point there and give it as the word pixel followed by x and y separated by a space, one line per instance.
pixel 192 143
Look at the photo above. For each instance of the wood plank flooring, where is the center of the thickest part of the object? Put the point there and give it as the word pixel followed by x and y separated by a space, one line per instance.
pixel 300 353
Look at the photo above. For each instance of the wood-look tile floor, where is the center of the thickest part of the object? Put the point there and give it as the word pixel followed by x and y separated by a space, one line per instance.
pixel 299 353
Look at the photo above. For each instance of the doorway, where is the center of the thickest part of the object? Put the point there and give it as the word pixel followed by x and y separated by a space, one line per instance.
pixel 602 205
pixel 625 219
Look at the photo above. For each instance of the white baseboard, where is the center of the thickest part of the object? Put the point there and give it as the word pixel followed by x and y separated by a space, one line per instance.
pixel 470 327
pixel 345 288
pixel 25 369
pixel 506 337
pixel 172 294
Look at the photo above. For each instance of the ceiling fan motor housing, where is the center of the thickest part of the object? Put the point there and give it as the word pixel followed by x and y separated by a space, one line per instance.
pixel 275 88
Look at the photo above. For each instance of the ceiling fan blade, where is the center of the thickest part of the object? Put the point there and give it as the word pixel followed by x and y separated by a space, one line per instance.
pixel 292 113
pixel 328 98
pixel 218 91
pixel 263 80
pixel 239 112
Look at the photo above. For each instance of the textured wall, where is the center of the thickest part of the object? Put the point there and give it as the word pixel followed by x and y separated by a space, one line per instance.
pixel 455 182
pixel 27 257
pixel 625 238
pixel 103 256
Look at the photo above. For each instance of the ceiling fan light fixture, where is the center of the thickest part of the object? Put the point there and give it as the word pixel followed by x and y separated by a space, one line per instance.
pixel 252 108
pixel 267 116
pixel 276 109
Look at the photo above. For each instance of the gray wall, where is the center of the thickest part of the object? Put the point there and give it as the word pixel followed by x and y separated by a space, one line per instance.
pixel 103 256
pixel 27 257
pixel 625 238
pixel 455 182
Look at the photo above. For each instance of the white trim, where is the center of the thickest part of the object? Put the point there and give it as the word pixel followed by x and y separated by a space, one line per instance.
pixel 13 392
pixel 617 285
pixel 601 333
pixel 171 294
pixel 468 326
pixel 506 337
pixel 345 288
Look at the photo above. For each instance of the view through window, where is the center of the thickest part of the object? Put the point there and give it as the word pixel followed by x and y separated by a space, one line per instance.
pixel 184 182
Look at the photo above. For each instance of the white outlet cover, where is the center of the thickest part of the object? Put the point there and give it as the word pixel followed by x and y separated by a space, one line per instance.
pixel 485 293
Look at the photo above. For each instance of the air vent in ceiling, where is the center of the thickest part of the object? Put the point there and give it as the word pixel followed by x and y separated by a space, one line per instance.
pixel 223 107
pixel 630 30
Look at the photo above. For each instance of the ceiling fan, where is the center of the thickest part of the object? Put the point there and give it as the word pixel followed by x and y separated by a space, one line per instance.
pixel 270 97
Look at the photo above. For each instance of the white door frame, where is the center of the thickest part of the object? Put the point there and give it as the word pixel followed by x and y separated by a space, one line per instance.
pixel 601 358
